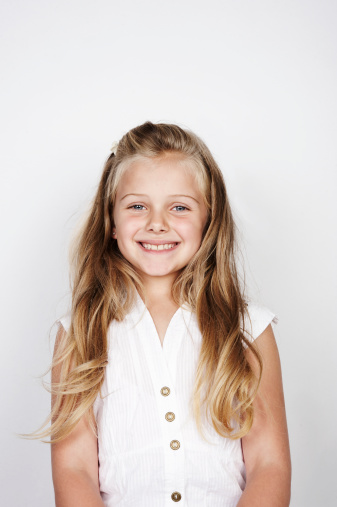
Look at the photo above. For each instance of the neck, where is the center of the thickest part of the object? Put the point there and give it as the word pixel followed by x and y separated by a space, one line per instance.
pixel 158 288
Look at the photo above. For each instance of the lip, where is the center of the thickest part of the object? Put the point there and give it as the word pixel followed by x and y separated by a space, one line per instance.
pixel 158 252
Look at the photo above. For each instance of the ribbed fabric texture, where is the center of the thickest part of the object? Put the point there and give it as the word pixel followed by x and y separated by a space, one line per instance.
pixel 144 458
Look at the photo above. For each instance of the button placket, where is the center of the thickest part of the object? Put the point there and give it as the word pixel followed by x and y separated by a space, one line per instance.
pixel 167 409
pixel 170 417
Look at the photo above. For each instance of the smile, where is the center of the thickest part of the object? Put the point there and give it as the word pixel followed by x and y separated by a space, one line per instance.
pixel 158 248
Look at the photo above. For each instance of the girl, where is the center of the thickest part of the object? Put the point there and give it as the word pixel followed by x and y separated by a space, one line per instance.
pixel 166 383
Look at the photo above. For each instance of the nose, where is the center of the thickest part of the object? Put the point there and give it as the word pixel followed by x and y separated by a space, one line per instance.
pixel 157 222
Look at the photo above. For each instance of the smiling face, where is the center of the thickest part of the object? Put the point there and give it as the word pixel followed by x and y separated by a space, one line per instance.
pixel 159 215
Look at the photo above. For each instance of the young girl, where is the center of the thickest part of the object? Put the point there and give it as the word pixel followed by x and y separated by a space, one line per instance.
pixel 166 382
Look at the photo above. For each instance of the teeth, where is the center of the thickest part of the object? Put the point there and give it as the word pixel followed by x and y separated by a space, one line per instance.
pixel 166 246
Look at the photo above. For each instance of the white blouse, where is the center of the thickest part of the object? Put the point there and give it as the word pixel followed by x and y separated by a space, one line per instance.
pixel 150 451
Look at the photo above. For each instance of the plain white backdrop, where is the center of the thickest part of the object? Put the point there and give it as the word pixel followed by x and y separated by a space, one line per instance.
pixel 257 81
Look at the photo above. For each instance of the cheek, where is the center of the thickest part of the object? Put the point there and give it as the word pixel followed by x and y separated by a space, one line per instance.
pixel 127 228
pixel 191 231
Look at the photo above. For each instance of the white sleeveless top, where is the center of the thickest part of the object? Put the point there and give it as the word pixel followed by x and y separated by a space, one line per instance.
pixel 150 451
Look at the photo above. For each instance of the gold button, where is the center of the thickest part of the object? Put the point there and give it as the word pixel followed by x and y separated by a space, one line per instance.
pixel 176 497
pixel 174 444
pixel 169 416
pixel 165 391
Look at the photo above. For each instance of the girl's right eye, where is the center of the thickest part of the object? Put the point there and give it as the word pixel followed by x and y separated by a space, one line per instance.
pixel 134 206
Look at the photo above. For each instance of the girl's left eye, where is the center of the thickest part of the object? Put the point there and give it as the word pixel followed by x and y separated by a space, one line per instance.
pixel 184 208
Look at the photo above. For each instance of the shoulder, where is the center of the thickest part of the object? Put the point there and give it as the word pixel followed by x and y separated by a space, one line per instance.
pixel 257 318
pixel 65 321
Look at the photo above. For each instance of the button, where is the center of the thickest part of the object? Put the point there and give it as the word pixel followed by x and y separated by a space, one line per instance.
pixel 165 391
pixel 174 444
pixel 176 497
pixel 169 416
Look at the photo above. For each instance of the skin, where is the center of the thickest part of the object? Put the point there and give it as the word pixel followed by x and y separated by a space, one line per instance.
pixel 156 216
pixel 266 447
pixel 75 460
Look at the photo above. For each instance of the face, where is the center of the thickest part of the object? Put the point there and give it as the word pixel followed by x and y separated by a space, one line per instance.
pixel 159 216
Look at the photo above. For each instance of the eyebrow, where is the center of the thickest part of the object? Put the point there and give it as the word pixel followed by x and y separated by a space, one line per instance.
pixel 172 195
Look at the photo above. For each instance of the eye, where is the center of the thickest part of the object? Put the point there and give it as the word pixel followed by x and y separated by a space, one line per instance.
pixel 134 206
pixel 182 208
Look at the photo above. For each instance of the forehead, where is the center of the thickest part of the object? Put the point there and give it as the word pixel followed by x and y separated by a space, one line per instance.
pixel 171 171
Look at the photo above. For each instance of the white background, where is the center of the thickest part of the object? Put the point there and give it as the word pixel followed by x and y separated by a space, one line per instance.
pixel 257 81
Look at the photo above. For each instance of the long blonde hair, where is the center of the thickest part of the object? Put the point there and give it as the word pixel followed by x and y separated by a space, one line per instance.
pixel 104 285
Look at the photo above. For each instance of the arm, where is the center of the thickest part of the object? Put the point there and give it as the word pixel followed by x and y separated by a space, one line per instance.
pixel 75 462
pixel 266 446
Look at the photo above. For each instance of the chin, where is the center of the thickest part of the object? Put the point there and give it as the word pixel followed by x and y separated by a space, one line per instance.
pixel 152 271
pixel 157 273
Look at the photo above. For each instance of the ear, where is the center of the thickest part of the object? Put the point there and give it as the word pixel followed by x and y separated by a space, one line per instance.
pixel 114 234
